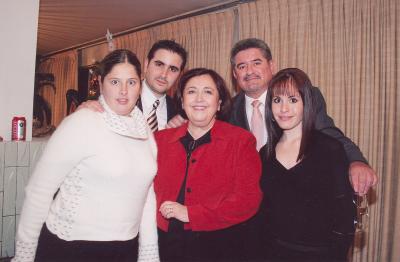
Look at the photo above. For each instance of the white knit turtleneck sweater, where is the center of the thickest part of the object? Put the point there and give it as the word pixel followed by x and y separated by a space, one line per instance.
pixel 104 166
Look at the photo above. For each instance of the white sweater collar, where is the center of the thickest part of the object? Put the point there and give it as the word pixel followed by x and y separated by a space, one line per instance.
pixel 137 128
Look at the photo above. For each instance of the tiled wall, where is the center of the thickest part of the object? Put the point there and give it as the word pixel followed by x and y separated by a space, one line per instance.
pixel 17 160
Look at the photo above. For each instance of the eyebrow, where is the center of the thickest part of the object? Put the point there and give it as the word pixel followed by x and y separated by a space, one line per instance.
pixel 174 67
pixel 119 78
pixel 170 66
pixel 289 96
pixel 254 60
pixel 159 62
pixel 205 87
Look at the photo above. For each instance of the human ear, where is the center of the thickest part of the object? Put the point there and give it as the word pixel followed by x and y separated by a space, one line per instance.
pixel 146 64
pixel 234 73
pixel 272 65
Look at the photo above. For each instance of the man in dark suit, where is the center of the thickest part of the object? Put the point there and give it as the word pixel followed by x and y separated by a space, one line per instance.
pixel 253 68
pixel 162 67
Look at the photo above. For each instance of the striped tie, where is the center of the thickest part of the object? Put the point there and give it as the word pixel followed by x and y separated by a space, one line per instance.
pixel 152 119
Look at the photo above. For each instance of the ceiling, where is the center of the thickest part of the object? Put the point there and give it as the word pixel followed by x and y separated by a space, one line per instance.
pixel 65 24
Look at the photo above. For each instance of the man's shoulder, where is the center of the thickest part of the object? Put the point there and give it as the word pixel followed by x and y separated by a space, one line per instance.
pixel 239 98
pixel 169 99
pixel 238 115
pixel 238 102
pixel 231 130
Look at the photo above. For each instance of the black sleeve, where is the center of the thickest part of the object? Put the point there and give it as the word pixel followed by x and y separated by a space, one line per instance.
pixel 344 208
pixel 325 124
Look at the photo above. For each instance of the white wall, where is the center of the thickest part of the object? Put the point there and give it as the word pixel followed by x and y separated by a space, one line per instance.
pixel 18 34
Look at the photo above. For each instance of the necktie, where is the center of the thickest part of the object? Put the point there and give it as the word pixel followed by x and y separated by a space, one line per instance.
pixel 152 119
pixel 257 123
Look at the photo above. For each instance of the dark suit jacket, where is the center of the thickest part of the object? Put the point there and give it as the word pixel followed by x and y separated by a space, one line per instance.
pixel 323 122
pixel 171 111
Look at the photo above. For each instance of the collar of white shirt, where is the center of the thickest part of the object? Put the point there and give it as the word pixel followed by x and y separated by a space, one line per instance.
pixel 249 107
pixel 148 98
pixel 249 112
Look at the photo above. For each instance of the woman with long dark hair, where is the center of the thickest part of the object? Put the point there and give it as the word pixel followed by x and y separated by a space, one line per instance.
pixel 307 211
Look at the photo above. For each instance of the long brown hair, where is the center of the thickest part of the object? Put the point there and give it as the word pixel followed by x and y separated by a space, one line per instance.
pixel 285 82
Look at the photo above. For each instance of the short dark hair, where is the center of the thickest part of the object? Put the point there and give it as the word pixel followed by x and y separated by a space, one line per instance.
pixel 223 92
pixel 250 43
pixel 116 57
pixel 284 83
pixel 169 45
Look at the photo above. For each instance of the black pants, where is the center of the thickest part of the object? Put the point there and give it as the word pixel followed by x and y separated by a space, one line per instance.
pixel 281 251
pixel 52 248
pixel 220 245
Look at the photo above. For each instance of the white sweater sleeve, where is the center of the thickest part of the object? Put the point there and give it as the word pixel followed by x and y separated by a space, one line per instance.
pixel 66 147
pixel 148 240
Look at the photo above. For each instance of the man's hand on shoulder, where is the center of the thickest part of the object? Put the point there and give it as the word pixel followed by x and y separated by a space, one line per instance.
pixel 362 177
pixel 93 105
pixel 176 121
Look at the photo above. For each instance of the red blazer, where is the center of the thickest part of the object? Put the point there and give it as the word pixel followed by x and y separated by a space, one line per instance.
pixel 222 187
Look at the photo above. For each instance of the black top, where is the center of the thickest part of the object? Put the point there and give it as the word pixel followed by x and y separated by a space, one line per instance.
pixel 309 202
pixel 190 145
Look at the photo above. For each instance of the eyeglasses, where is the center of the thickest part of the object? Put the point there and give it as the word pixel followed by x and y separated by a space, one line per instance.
pixel 361 203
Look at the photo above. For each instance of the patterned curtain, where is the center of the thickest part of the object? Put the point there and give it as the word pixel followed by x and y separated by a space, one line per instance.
pixel 350 49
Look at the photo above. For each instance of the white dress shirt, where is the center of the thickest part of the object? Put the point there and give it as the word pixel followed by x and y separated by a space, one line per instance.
pixel 148 98
pixel 249 112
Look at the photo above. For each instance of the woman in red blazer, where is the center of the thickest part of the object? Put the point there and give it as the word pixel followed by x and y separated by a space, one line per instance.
pixel 208 175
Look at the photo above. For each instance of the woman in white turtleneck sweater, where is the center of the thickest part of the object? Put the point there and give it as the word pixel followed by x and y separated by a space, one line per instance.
pixel 103 165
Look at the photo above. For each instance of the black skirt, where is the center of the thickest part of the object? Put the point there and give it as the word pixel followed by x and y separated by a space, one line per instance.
pixel 52 248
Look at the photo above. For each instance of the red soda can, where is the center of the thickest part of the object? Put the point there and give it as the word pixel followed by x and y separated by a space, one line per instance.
pixel 18 128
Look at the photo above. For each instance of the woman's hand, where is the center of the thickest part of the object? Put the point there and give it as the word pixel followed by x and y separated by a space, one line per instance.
pixel 176 121
pixel 170 209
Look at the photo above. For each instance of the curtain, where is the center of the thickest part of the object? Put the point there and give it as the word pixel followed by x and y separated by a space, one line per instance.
pixel 350 49
pixel 207 38
pixel 64 67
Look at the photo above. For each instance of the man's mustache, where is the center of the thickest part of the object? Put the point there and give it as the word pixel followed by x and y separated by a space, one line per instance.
pixel 251 76
pixel 162 78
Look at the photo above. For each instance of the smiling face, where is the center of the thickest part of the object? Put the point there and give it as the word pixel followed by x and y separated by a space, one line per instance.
pixel 287 110
pixel 162 71
pixel 253 71
pixel 121 88
pixel 201 101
